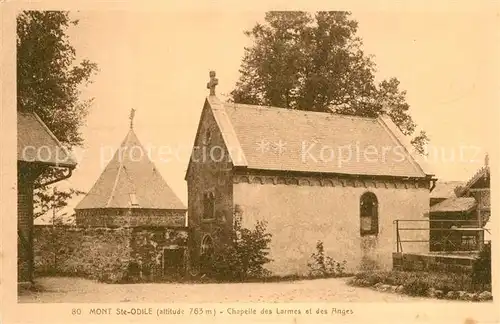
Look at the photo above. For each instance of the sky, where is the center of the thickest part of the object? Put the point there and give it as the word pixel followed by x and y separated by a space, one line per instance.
pixel 158 63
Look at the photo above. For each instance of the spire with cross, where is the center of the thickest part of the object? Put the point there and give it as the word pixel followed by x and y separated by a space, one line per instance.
pixel 131 117
pixel 212 83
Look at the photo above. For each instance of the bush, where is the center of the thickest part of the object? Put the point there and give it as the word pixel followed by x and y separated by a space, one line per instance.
pixel 242 257
pixel 323 265
pixel 417 286
pixel 481 268
pixel 418 283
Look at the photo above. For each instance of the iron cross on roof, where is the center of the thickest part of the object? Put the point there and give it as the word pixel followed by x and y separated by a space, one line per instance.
pixel 212 83
pixel 131 117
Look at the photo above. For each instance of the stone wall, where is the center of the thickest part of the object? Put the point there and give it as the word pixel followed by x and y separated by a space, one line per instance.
pixel 432 263
pixel 148 246
pixel 303 210
pixel 207 174
pixel 96 253
pixel 130 217
pixel 105 254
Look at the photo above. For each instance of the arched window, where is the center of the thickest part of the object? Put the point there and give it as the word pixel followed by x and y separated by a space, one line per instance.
pixel 207 245
pixel 368 212
pixel 206 254
pixel 209 205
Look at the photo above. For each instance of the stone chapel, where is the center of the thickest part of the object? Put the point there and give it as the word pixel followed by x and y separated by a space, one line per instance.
pixel 311 176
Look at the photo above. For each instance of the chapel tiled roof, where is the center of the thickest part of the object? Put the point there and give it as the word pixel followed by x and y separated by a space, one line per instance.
pixel 279 139
pixel 461 204
pixel 36 143
pixel 131 180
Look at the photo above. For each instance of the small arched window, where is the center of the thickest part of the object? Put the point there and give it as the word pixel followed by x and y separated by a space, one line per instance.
pixel 207 246
pixel 368 212
pixel 209 205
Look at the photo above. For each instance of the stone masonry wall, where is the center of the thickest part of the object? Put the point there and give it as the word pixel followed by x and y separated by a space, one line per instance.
pixel 148 248
pixel 109 255
pixel 130 217
pixel 207 174
pixel 95 253
pixel 432 263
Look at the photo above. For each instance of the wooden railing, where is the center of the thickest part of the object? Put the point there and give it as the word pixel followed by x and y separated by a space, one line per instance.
pixel 459 236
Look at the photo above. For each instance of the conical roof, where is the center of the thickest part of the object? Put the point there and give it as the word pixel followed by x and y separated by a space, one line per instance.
pixel 131 180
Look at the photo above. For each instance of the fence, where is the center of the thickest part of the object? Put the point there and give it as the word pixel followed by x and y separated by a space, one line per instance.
pixel 453 236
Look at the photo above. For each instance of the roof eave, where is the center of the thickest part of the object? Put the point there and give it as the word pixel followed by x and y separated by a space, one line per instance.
pixel 53 164
pixel 239 168
pixel 416 160
pixel 227 131
pixel 127 208
pixel 68 154
pixel 196 137
pixel 228 135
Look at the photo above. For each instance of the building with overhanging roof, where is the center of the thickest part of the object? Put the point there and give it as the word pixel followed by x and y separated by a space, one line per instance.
pixel 445 190
pixel 466 215
pixel 311 176
pixel 37 150
pixel 130 192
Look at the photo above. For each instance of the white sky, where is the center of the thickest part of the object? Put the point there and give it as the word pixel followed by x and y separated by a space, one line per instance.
pixel 158 63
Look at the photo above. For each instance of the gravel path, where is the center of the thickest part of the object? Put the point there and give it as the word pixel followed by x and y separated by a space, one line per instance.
pixel 74 290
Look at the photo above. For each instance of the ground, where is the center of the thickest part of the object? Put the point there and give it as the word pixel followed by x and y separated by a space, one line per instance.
pixel 75 290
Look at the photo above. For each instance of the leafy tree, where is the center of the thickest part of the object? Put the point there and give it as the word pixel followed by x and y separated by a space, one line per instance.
pixel 316 62
pixel 48 200
pixel 49 82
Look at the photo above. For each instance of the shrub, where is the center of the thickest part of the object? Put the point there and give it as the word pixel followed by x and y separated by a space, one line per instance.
pixel 371 278
pixel 416 286
pixel 243 255
pixel 417 283
pixel 481 268
pixel 323 265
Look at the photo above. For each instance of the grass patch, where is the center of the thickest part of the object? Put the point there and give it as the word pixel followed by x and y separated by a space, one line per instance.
pixel 209 280
pixel 418 283
pixel 296 278
pixel 32 288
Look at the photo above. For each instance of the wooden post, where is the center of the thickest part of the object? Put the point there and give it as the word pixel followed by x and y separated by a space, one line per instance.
pixel 54 192
pixel 482 198
pixel 480 221
pixel 397 236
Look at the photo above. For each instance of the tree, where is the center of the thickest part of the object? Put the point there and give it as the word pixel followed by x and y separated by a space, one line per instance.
pixel 316 62
pixel 49 82
pixel 47 200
